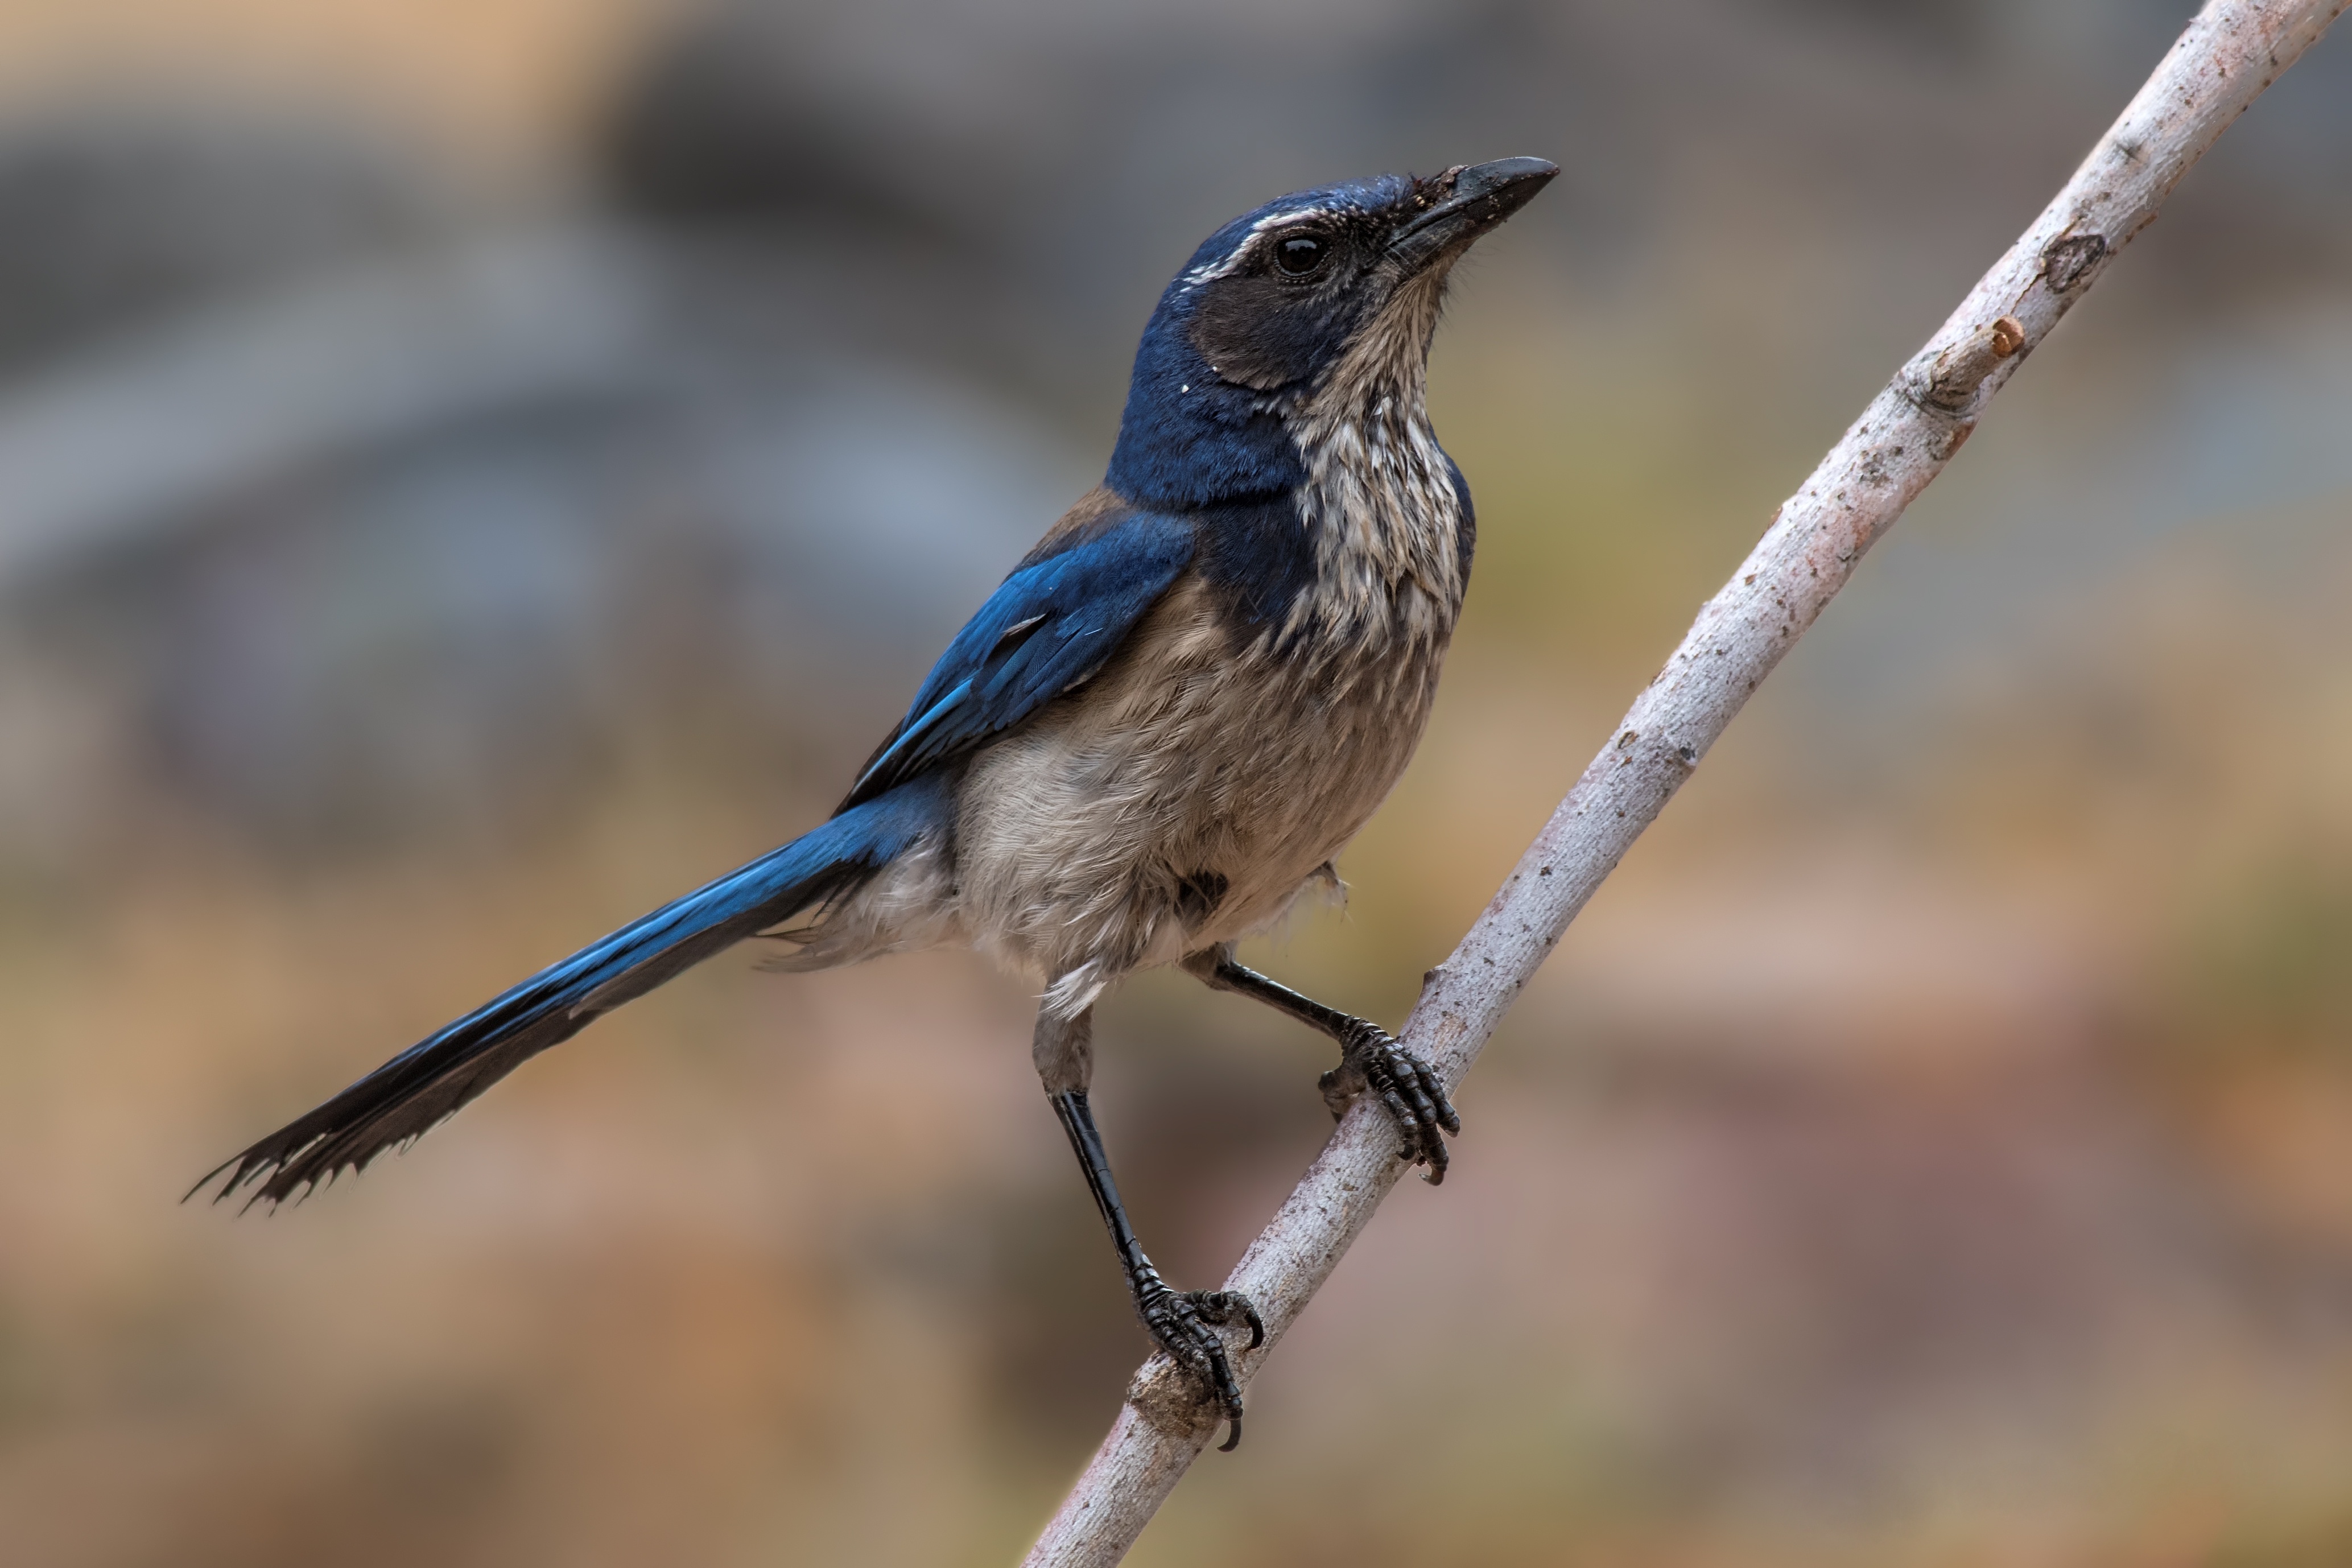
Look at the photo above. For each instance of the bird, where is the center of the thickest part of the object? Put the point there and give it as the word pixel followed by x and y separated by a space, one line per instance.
pixel 1155 736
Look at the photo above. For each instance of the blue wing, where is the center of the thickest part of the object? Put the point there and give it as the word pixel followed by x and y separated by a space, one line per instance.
pixel 1049 627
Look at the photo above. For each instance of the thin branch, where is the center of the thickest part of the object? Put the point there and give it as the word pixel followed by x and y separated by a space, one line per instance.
pixel 2230 53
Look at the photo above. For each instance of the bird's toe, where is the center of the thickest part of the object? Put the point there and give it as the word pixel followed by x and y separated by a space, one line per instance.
pixel 1372 1062
pixel 1185 1323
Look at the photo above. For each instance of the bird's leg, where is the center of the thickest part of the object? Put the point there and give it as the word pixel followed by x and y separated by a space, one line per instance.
pixel 1185 1323
pixel 1370 1059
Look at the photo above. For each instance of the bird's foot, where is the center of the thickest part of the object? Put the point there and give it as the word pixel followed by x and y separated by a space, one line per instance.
pixel 1185 1325
pixel 1370 1061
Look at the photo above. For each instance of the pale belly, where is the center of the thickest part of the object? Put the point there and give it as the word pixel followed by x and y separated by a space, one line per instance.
pixel 1183 799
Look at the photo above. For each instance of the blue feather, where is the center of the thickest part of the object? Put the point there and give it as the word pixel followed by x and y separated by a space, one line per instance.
pixel 430 1080
pixel 1047 628
pixel 1188 437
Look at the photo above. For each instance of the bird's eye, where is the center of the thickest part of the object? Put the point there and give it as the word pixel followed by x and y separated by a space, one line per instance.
pixel 1300 254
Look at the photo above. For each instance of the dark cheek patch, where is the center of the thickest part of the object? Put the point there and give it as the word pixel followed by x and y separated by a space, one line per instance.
pixel 1259 333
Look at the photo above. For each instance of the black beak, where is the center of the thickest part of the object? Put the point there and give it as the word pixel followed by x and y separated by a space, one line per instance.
pixel 1469 200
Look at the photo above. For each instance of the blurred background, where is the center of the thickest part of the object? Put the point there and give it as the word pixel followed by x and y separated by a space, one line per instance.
pixel 471 470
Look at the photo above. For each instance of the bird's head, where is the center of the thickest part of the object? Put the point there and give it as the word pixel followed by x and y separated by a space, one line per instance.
pixel 1293 315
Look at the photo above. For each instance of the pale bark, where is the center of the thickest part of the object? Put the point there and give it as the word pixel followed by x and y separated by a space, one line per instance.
pixel 2230 53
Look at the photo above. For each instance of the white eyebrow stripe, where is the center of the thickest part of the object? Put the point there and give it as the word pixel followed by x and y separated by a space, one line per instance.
pixel 1208 272
pixel 1297 214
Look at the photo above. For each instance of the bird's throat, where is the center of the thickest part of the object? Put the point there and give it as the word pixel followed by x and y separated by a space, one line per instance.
pixel 1379 499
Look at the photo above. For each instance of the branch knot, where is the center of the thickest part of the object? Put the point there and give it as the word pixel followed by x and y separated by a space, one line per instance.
pixel 1959 370
pixel 2066 261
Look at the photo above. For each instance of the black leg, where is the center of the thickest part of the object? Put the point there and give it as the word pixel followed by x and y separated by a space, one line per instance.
pixel 1370 1059
pixel 1185 1323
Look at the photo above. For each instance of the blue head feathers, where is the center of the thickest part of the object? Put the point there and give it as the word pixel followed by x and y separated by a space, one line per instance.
pixel 1266 305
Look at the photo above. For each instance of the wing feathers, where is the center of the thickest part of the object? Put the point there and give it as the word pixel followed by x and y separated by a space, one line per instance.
pixel 1048 628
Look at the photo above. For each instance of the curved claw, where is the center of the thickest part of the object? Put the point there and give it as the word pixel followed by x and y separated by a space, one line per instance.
pixel 1222 1307
pixel 1186 1323
pixel 1371 1061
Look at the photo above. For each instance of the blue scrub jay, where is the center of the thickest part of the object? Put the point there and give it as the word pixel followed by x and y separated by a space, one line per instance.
pixel 1151 740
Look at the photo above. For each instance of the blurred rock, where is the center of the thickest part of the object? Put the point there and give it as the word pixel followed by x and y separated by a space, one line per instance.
pixel 464 524
pixel 115 214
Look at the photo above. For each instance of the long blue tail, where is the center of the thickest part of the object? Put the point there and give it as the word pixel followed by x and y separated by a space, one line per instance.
pixel 418 1089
